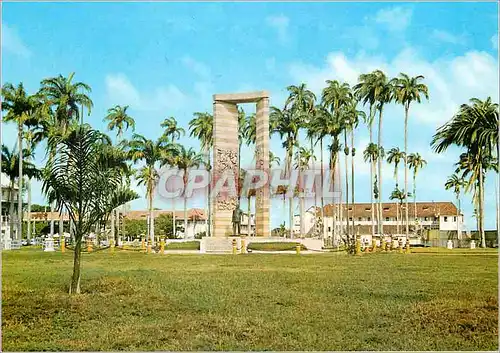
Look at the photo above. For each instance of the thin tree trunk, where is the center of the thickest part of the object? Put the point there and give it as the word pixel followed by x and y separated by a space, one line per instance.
pixel 11 209
pixel 333 179
pixel 346 154
pixel 397 208
pixel 75 278
pixel 290 200
pixel 341 206
pixel 20 182
pixel 380 193
pixel 185 215
pixel 407 230
pixel 249 223
pixel 117 234
pixel 481 207
pixel 112 220
pixel 52 219
pixel 372 171
pixel 28 183
pixel 415 199
pixel 323 229
pixel 150 207
pixel 61 224
pixel 352 182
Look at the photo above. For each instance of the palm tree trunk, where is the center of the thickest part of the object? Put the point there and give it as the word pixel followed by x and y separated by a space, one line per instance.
pixel 112 221
pixel 372 172
pixel 352 181
pixel 290 200
pixel 407 230
pixel 52 219
pixel 174 220
pixel 209 201
pixel 380 193
pixel 459 235
pixel 28 183
pixel 316 193
pixel 333 179
pixel 249 210
pixel 397 208
pixel 481 207
pixel 75 278
pixel 323 229
pixel 415 198
pixel 346 153
pixel 20 182
pixel 61 224
pixel 341 209
pixel 150 208
pixel 185 215
pixel 11 208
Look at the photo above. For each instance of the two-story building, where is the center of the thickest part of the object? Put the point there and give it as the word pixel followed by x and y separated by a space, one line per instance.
pixel 431 219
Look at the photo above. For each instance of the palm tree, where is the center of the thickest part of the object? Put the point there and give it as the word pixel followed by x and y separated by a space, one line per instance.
pixel 474 127
pixel 372 154
pixel 85 180
pixel 400 196
pixel 394 156
pixel 303 156
pixel 456 183
pixel 415 162
pixel 287 124
pixel 186 159
pixel 119 119
pixel 171 131
pixel 406 91
pixel 335 97
pixel 151 152
pixel 368 90
pixel 201 127
pixel 21 108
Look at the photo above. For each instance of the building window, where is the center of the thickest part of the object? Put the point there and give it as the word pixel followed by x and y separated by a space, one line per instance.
pixel 329 229
pixel 369 219
pixel 445 219
pixel 386 208
pixel 454 219
pixel 350 218
pixel 360 219
pixel 368 209
pixel 426 219
pixel 386 218
pixel 435 219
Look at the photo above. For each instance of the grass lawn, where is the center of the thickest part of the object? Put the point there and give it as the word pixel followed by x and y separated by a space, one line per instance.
pixel 275 246
pixel 136 301
pixel 186 245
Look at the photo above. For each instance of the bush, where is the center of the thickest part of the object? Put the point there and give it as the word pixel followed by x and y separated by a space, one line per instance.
pixel 275 246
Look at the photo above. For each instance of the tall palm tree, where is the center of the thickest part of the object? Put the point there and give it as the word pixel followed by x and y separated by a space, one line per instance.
pixel 400 196
pixel 456 183
pixel 201 127
pixel 151 153
pixel 415 162
pixel 287 124
pixel 184 160
pixel 335 97
pixel 475 128
pixel 119 119
pixel 372 154
pixel 368 90
pixel 394 156
pixel 407 90
pixel 303 157
pixel 21 108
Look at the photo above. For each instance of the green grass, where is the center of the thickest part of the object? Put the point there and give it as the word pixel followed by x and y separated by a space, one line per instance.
pixel 137 301
pixel 458 251
pixel 275 246
pixel 187 245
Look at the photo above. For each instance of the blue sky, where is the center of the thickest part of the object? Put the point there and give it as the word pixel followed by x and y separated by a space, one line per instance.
pixel 167 59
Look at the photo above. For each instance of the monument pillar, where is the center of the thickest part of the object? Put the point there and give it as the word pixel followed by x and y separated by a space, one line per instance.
pixel 225 158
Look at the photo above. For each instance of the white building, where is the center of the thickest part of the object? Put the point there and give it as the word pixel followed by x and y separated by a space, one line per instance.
pixel 437 216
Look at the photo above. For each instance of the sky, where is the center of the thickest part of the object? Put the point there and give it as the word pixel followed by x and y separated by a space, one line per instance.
pixel 168 59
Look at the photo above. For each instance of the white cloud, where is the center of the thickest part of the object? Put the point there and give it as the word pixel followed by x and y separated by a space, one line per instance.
pixel 450 81
pixel 494 41
pixel 12 43
pixel 197 67
pixel 447 37
pixel 280 24
pixel 120 90
pixel 394 18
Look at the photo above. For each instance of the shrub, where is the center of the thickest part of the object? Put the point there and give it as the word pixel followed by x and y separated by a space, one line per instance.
pixel 275 246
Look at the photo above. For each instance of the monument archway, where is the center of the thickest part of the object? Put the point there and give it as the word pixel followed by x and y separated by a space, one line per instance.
pixel 225 157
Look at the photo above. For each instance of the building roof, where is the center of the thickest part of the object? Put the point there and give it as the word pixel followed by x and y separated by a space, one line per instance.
pixel 424 209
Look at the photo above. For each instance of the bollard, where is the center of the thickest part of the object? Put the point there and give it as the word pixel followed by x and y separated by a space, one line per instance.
pixel 358 246
pixel 149 247
pixel 400 246
pixel 243 248
pixel 384 244
pixel 235 248
pixel 112 246
pixel 89 246
pixel 143 244
pixel 374 245
pixel 297 249
pixel 387 246
pixel 162 245
pixel 63 244
pixel 407 250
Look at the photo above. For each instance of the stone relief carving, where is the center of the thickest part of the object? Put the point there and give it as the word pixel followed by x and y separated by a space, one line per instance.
pixel 226 160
